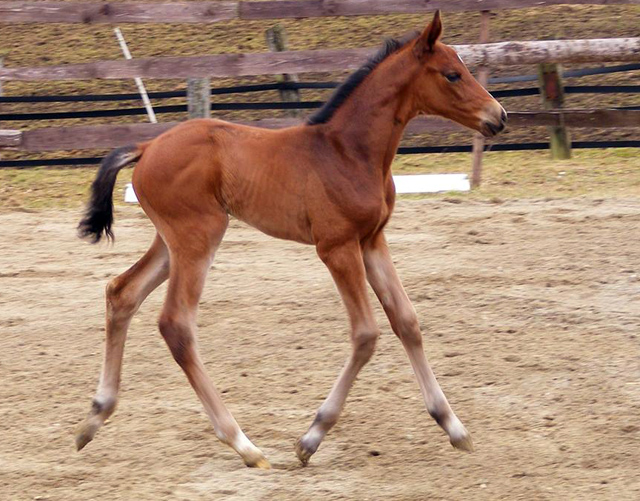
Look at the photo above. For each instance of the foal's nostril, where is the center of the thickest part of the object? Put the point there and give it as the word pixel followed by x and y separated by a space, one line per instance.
pixel 503 116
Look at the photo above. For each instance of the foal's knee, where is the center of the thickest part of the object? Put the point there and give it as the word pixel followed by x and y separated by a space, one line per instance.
pixel 407 327
pixel 121 304
pixel 364 343
pixel 178 336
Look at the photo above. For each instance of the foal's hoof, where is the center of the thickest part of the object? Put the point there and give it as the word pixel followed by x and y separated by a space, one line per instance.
pixel 85 434
pixel 463 442
pixel 303 453
pixel 263 464
pixel 260 462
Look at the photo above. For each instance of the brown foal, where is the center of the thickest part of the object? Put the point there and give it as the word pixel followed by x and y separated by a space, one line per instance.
pixel 326 183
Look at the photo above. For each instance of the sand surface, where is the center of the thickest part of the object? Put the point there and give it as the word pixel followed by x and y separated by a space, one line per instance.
pixel 530 312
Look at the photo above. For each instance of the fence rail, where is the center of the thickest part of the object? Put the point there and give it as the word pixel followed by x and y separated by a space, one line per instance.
pixel 408 150
pixel 111 136
pixel 213 12
pixel 92 98
pixel 309 61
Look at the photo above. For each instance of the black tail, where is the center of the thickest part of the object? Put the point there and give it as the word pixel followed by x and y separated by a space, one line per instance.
pixel 98 217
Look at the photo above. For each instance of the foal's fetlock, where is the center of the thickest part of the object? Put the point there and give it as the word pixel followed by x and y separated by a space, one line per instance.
pixel 459 437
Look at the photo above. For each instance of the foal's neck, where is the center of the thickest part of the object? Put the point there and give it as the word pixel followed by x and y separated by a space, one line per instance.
pixel 372 120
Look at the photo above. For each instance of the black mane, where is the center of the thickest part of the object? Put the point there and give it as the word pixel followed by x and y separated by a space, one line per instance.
pixel 340 95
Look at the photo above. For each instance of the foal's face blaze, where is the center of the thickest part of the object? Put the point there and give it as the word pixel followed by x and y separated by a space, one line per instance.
pixel 445 87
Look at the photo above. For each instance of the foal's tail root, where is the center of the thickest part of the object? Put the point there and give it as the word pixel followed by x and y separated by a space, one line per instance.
pixel 98 217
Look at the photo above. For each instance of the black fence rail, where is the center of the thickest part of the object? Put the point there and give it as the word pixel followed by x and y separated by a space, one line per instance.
pixel 408 150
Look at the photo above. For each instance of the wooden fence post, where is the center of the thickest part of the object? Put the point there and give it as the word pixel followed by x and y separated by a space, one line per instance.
pixel 199 97
pixel 483 78
pixel 3 54
pixel 552 95
pixel 276 37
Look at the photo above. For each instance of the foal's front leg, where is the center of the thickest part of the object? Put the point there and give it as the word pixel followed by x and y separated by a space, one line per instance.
pixel 347 268
pixel 384 279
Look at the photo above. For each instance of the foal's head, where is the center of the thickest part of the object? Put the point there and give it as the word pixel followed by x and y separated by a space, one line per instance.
pixel 445 86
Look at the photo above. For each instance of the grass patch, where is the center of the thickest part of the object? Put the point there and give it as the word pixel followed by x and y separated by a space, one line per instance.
pixel 613 173
pixel 533 174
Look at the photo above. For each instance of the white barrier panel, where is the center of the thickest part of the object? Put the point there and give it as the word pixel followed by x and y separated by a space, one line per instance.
pixel 431 183
pixel 417 183
pixel 130 195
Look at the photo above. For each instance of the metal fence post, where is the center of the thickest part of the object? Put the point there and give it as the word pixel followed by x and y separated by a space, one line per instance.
pixel 199 97
pixel 277 42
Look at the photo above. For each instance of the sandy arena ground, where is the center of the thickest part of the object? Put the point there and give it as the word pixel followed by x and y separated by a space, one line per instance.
pixel 530 311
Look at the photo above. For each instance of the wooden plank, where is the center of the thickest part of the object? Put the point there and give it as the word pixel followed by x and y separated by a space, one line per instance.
pixel 96 136
pixel 601 118
pixel 211 12
pixel 90 13
pixel 327 8
pixel 10 138
pixel 111 136
pixel 309 61
pixel 222 65
pixel 601 50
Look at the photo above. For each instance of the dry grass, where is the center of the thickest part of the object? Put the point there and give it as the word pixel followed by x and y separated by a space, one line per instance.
pixel 507 175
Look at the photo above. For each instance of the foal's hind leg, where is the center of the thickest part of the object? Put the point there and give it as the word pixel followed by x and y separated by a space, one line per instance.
pixel 192 249
pixel 124 295
pixel 385 282
pixel 346 267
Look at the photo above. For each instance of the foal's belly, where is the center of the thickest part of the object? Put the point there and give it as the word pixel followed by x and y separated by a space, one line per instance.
pixel 279 226
pixel 275 208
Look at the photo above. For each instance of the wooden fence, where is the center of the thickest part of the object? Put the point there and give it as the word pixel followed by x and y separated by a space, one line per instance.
pixel 111 136
pixel 317 61
pixel 213 12
pixel 484 55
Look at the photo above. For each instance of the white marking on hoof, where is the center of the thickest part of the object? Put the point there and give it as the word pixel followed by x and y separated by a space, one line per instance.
pixel 251 455
pixel 463 444
pixel 307 445
pixel 459 437
pixel 302 452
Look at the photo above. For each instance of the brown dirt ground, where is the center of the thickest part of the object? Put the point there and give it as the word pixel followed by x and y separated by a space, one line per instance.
pixel 530 311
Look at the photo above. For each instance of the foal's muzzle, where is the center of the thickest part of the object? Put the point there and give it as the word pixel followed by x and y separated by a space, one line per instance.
pixel 493 126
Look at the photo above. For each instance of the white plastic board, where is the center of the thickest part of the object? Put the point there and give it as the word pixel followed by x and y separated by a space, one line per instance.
pixel 431 183
pixel 415 183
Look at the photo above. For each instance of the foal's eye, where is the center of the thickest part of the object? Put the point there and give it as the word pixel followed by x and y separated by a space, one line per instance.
pixel 452 77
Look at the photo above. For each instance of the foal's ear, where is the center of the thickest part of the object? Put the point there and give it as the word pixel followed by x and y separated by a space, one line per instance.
pixel 429 36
